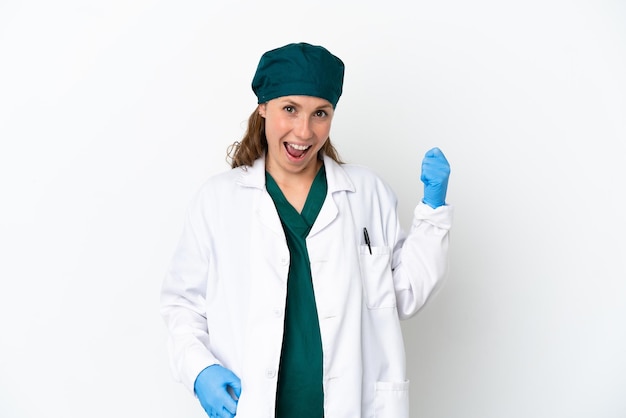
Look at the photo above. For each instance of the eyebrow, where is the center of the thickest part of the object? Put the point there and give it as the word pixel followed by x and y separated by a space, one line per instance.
pixel 296 104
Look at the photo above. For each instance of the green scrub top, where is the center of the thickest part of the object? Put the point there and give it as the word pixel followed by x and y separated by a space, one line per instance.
pixel 300 391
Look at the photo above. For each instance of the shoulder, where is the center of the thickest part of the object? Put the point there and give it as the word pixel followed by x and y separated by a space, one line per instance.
pixel 221 189
pixel 367 180
pixel 227 178
pixel 358 170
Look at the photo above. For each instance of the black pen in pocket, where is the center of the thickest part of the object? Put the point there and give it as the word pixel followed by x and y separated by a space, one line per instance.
pixel 367 239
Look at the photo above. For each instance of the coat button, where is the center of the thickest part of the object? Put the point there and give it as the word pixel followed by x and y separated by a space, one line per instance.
pixel 284 260
pixel 278 312
pixel 270 373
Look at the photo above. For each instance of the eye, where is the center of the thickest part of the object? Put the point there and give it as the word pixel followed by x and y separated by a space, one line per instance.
pixel 321 113
pixel 289 109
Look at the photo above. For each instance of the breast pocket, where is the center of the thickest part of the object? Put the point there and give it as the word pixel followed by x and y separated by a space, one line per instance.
pixel 377 277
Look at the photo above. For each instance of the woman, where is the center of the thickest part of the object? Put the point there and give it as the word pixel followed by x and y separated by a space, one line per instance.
pixel 285 292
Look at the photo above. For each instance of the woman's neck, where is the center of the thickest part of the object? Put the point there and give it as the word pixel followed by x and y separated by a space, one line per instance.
pixel 295 186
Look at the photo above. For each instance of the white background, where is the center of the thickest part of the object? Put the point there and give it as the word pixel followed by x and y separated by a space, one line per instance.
pixel 112 113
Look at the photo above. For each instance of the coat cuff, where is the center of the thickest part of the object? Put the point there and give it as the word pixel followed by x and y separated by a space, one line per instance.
pixel 440 217
pixel 196 360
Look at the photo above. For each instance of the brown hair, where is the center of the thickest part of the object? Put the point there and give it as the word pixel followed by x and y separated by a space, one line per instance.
pixel 254 144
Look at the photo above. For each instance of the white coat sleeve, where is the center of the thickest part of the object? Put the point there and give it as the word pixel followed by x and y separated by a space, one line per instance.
pixel 420 260
pixel 183 297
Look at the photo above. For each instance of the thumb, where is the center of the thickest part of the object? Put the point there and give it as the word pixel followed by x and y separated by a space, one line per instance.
pixel 235 386
pixel 436 155
pixel 434 152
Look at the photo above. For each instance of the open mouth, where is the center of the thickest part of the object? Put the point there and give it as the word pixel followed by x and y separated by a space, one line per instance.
pixel 296 151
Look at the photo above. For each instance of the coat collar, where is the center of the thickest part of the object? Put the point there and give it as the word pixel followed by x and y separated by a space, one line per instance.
pixel 336 176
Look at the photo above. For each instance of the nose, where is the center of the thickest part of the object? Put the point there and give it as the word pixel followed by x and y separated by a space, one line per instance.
pixel 303 129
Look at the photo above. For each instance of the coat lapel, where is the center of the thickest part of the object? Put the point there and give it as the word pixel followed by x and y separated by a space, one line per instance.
pixel 263 206
pixel 338 183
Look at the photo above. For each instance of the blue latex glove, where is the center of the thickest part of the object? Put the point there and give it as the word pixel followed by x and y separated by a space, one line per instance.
pixel 213 387
pixel 435 174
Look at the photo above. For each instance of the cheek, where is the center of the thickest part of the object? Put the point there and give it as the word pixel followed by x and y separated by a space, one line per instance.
pixel 275 128
pixel 269 131
pixel 323 131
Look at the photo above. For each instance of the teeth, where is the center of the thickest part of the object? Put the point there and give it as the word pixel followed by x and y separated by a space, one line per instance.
pixel 299 147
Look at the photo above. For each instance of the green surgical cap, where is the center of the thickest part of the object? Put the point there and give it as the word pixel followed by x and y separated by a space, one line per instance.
pixel 298 70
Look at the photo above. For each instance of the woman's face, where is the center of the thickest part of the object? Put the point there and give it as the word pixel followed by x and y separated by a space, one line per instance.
pixel 296 128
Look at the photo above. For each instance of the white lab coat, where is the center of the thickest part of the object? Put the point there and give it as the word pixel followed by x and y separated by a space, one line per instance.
pixel 223 299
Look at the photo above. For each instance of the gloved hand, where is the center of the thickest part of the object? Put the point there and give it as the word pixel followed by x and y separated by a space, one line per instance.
pixel 211 388
pixel 435 174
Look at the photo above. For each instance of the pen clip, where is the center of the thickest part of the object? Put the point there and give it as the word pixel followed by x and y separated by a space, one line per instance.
pixel 367 239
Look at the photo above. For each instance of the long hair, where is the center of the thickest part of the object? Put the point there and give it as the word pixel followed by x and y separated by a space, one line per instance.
pixel 254 144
